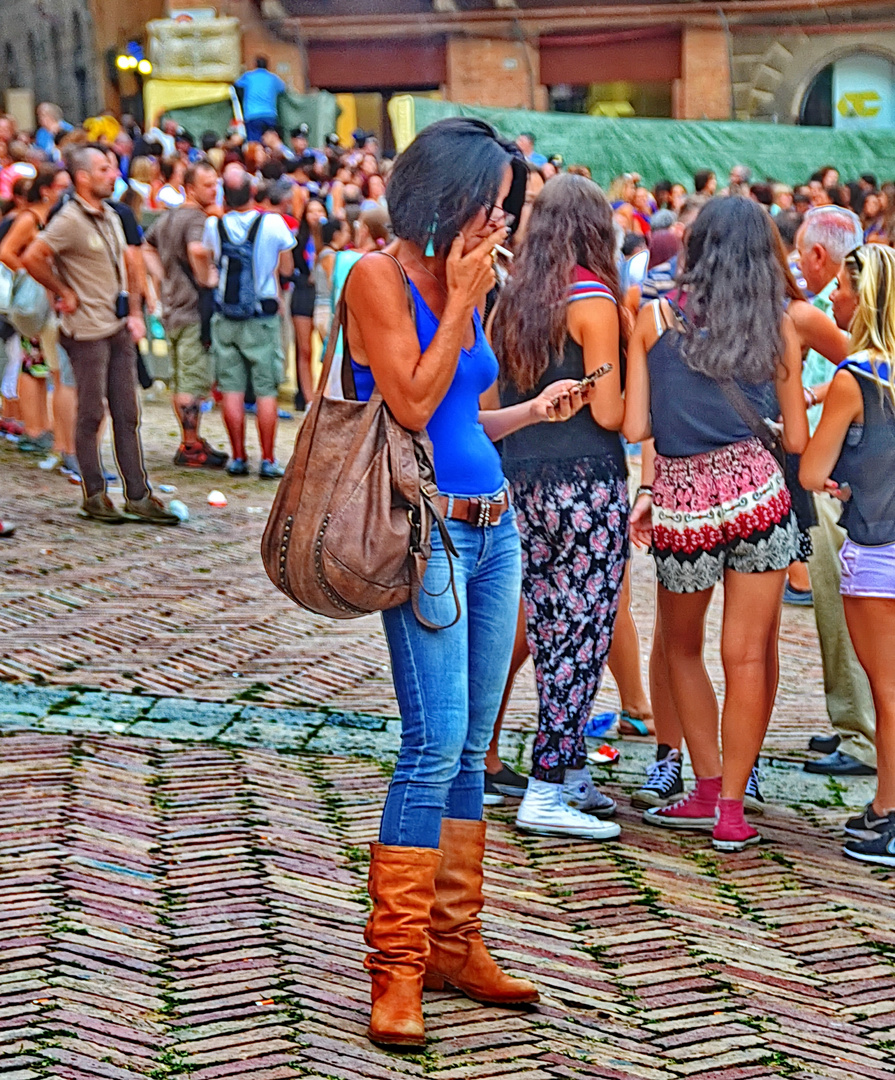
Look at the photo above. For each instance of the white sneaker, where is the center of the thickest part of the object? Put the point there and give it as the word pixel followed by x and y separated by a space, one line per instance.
pixel 580 792
pixel 544 811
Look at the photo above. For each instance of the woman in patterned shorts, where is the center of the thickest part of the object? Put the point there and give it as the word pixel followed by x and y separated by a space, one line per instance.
pixel 721 509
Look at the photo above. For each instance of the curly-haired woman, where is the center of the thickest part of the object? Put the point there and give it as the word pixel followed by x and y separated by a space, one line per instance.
pixel 557 318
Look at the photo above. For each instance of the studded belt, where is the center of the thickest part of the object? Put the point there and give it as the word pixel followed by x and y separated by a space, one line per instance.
pixel 478 512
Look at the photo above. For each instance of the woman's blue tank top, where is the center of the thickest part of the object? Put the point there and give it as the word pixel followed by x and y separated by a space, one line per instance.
pixel 466 461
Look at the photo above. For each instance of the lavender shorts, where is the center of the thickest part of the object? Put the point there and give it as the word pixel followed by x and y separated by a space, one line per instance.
pixel 868 571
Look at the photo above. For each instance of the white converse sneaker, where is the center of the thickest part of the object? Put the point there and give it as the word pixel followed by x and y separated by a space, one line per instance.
pixel 544 811
pixel 580 792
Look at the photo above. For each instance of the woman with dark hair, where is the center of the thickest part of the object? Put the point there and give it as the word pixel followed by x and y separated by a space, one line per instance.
pixel 557 318
pixel 698 385
pixel 413 331
pixel 43 193
pixel 310 242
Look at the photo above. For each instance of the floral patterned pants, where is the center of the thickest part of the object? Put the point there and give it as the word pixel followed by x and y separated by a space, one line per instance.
pixel 574 534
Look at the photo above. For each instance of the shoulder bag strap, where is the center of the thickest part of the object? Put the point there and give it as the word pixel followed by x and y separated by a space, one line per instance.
pixel 751 417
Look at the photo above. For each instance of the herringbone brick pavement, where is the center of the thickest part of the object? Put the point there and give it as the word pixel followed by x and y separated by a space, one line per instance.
pixel 190 611
pixel 195 911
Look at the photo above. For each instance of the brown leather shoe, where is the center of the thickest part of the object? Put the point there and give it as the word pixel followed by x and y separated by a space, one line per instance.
pixel 402 888
pixel 100 507
pixel 458 955
pixel 151 510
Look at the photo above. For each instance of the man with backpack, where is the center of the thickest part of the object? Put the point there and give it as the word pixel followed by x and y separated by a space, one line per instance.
pixel 248 249
pixel 173 254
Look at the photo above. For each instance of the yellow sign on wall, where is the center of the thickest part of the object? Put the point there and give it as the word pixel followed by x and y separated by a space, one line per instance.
pixel 860 103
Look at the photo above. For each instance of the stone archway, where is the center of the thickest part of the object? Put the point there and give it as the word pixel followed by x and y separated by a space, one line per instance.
pixel 773 77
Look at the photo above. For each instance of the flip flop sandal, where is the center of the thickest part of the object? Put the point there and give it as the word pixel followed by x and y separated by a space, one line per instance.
pixel 640 728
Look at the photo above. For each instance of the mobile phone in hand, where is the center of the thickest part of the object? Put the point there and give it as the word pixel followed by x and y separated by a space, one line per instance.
pixel 588 381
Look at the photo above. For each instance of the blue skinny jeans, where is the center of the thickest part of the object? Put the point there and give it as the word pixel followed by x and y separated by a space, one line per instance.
pixel 449 682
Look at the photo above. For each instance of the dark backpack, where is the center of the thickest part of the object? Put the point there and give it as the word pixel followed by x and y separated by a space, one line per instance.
pixel 237 288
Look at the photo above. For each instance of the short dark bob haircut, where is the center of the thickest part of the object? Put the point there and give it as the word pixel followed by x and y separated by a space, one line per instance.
pixel 451 170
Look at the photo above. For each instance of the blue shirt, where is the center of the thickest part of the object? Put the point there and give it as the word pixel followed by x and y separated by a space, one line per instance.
pixel 466 461
pixel 261 88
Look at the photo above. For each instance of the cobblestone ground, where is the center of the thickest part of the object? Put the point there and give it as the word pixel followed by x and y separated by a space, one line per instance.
pixel 190 771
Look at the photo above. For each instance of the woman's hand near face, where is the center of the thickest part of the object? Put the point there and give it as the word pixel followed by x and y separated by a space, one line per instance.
pixel 471 276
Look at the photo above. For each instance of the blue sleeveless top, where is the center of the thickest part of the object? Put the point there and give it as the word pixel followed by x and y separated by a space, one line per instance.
pixel 466 461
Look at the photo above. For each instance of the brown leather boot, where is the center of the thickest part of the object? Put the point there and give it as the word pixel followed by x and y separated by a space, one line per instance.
pixel 402 888
pixel 458 955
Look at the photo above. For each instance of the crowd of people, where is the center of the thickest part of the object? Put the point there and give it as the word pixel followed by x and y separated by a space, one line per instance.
pixel 536 328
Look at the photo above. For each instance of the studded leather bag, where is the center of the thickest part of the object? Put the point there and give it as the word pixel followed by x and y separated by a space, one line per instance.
pixel 349 532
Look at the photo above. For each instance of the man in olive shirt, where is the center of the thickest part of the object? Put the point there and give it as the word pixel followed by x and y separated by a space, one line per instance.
pixel 80 258
pixel 174 248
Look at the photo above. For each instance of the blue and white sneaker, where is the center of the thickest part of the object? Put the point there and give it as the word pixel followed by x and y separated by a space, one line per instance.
pixel 880 851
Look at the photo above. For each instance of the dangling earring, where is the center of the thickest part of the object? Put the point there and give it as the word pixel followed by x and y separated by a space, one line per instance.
pixel 430 247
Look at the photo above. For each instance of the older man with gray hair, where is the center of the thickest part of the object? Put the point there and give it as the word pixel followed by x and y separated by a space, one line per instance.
pixel 826 236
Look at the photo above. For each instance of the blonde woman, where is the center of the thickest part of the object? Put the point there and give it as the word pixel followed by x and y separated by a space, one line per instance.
pixel 852 456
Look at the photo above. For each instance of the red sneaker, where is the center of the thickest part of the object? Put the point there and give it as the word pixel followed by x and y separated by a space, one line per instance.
pixel 732 832
pixel 697 811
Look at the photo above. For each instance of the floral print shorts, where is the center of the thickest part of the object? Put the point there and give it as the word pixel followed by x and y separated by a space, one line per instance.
pixel 726 509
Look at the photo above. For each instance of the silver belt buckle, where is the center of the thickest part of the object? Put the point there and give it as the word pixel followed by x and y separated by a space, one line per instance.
pixel 484 513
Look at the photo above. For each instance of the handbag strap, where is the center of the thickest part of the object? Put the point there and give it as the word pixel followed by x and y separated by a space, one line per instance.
pixel 750 416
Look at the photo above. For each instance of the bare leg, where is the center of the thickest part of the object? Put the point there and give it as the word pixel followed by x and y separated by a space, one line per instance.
pixel 65 411
pixel 668 724
pixel 683 624
pixel 493 764
pixel 266 415
pixel 871 623
pixel 33 400
pixel 798 577
pixel 303 329
pixel 188 411
pixel 624 662
pixel 234 413
pixel 749 655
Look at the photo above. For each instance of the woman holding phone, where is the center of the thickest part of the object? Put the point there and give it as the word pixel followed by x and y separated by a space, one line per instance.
pixel 557 318
pixel 414 332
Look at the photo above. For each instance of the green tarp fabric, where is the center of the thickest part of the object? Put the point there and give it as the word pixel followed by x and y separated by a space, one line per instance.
pixel 197 119
pixel 319 111
pixel 677 148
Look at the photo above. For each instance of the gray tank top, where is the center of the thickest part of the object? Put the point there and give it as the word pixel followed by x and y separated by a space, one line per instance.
pixel 867 462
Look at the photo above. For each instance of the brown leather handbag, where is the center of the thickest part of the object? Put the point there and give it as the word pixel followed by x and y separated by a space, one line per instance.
pixel 349 530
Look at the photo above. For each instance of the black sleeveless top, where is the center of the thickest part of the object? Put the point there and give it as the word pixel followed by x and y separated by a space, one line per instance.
pixel 867 461
pixel 690 413
pixel 545 451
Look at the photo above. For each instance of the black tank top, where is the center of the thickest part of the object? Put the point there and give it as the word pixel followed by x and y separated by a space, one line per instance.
pixel 690 413
pixel 867 462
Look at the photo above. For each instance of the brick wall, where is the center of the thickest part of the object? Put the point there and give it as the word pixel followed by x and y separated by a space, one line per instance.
pixel 703 91
pixel 489 71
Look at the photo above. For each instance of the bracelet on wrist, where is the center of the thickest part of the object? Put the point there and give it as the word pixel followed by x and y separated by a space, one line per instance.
pixel 644 489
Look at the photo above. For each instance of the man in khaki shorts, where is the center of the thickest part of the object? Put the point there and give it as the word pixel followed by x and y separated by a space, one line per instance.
pixel 174 255
pixel 245 251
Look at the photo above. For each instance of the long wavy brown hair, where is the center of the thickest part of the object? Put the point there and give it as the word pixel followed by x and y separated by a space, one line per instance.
pixel 571 225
